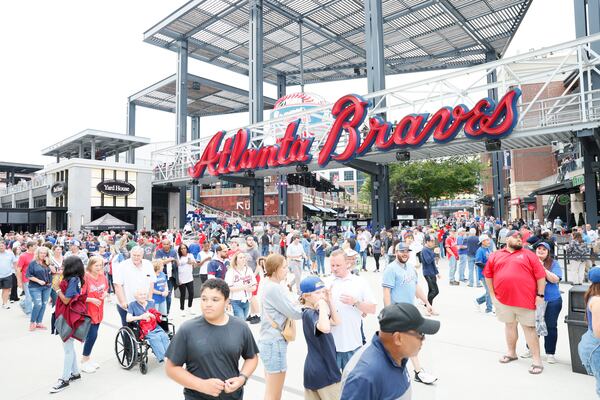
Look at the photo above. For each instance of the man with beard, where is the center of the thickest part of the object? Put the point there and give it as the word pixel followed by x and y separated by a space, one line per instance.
pixel 400 285
pixel 516 280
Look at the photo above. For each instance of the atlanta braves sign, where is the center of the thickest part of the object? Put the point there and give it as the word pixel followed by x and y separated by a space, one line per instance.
pixel 485 120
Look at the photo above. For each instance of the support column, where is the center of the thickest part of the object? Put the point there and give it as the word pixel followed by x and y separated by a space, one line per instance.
pixel 255 67
pixel 257 197
pixel 590 158
pixel 93 150
pixel 181 95
pixel 131 129
pixel 195 136
pixel 497 156
pixel 282 187
pixel 374 45
pixel 380 193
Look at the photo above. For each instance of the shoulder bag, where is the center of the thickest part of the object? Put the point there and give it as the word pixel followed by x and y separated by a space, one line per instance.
pixel 289 328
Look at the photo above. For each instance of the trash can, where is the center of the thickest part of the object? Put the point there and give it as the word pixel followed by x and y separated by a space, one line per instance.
pixel 576 324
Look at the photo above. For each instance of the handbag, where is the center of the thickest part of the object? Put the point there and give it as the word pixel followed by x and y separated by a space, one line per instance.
pixel 289 328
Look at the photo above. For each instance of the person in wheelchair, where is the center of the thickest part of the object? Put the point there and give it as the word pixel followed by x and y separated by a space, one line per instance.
pixel 142 311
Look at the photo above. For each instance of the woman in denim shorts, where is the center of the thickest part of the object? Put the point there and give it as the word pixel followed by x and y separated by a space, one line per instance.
pixel 276 308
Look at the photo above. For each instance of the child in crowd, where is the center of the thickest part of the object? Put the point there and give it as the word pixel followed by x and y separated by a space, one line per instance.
pixel 161 290
pixel 322 376
pixel 143 310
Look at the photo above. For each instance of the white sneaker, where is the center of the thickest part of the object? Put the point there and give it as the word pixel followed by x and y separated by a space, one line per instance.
pixel 527 354
pixel 95 364
pixel 424 377
pixel 88 368
pixel 6 306
pixel 551 359
pixel 477 308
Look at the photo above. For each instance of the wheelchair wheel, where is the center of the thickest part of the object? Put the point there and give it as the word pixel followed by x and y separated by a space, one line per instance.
pixel 143 367
pixel 126 347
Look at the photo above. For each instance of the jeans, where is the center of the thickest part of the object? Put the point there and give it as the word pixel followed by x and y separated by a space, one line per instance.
pixel 123 315
pixel 240 308
pixel 39 296
pixel 452 273
pixel 159 341
pixel 273 354
pixel 109 279
pixel 486 298
pixel 90 339
pixel 26 303
pixel 433 288
pixel 321 264
pixel 363 259
pixel 265 250
pixel 170 285
pixel 161 307
pixel 589 353
pixel 442 250
pixel 342 358
pixel 70 364
pixel 462 265
pixel 473 278
pixel 551 317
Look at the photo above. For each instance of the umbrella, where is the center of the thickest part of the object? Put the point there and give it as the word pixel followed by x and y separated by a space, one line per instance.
pixel 108 222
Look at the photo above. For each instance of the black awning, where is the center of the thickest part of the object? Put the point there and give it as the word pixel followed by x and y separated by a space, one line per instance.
pixel 565 187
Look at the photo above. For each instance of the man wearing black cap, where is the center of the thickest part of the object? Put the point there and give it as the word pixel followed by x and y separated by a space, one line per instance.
pixel 379 370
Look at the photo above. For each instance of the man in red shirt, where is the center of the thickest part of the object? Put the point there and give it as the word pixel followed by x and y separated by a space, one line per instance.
pixel 452 253
pixel 516 280
pixel 22 281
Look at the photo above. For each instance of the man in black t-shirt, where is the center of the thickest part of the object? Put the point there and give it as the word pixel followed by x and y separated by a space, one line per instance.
pixel 210 347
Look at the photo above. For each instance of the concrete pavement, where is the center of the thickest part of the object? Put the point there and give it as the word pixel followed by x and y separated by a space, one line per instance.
pixel 464 355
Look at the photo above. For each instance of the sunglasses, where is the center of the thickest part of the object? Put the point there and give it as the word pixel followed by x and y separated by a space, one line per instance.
pixel 418 335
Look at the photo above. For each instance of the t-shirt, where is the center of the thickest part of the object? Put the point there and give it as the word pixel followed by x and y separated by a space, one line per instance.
pixel 515 277
pixel 295 251
pixel 253 255
pixel 194 249
pixel 451 245
pixel 372 374
pixel 320 367
pixel 347 335
pixel 38 271
pixel 401 279
pixel 95 288
pixel 235 278
pixel 461 241
pixel 73 287
pixel 168 268
pixel 136 309
pixel 23 263
pixel 7 262
pixel 186 269
pixel 148 250
pixel 552 292
pixel 276 306
pixel 133 278
pixel 217 268
pixel 203 255
pixel 161 285
pixel 472 243
pixel 212 351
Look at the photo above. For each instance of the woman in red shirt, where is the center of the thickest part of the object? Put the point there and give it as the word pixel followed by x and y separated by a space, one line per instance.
pixel 96 288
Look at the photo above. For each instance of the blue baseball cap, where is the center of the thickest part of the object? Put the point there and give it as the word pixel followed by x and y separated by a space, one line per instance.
pixel 402 247
pixel 594 275
pixel 311 284
pixel 546 245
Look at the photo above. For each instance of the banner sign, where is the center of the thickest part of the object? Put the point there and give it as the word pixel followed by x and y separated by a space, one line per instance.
pixel 485 120
pixel 115 187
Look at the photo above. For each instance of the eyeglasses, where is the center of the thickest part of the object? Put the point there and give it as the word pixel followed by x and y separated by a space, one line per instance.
pixel 418 335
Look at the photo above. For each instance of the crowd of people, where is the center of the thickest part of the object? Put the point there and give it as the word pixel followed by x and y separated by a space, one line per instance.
pixel 274 276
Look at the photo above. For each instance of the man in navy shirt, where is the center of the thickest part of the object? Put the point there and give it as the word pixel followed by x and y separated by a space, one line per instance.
pixel 472 242
pixel 216 266
pixel 378 371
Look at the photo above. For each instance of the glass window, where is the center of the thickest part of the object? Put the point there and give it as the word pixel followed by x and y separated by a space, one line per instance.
pixel 348 175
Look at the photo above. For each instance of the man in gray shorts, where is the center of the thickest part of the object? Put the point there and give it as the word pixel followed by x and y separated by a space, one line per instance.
pixel 7 269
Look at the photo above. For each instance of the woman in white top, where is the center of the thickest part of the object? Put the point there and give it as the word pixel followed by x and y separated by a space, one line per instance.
pixel 186 278
pixel 296 256
pixel 242 282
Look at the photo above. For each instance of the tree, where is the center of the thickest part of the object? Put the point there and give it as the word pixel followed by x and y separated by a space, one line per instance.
pixel 432 179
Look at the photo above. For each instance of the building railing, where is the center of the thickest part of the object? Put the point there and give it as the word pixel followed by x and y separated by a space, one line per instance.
pixel 36 182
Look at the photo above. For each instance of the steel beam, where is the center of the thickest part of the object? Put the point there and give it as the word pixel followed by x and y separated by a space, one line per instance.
pixel 282 188
pixel 181 92
pixel 497 156
pixel 590 156
pixel 374 45
pixel 380 191
pixel 131 129
pixel 195 136
pixel 255 62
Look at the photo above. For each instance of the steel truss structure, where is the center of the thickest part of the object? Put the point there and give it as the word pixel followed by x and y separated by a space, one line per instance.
pixel 540 120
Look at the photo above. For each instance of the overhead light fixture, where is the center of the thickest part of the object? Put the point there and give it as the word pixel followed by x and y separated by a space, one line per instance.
pixel 249 174
pixel 402 156
pixel 300 168
pixel 493 145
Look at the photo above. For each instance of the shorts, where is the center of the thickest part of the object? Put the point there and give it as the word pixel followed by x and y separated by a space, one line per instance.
pixel 6 283
pixel 508 314
pixel 273 354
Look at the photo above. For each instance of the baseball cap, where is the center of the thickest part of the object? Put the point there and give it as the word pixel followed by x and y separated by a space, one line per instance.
pixel 402 317
pixel 483 237
pixel 513 233
pixel 402 247
pixel 546 245
pixel 311 284
pixel 594 275
pixel 75 243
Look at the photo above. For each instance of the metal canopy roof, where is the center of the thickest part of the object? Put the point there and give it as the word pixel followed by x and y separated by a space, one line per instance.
pixel 419 35
pixel 205 97
pixel 106 144
pixel 18 168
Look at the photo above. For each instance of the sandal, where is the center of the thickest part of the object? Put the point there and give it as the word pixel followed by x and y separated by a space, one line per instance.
pixel 536 369
pixel 506 359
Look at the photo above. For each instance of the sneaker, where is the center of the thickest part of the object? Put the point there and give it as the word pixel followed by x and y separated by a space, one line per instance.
pixel 32 327
pixel 527 354
pixel 424 377
pixel 551 359
pixel 476 304
pixel 60 385
pixel 40 326
pixel 249 318
pixel 88 368
pixel 74 377
pixel 255 319
pixel 94 364
pixel 490 313
pixel 6 306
